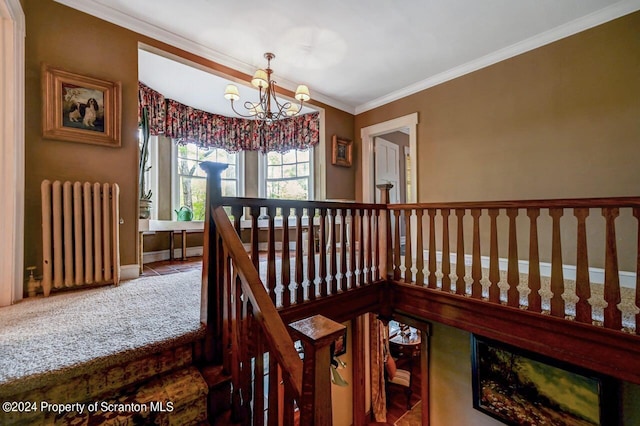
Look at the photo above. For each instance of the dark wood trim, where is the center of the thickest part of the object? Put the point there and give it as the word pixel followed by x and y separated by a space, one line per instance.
pixel 565 203
pixel 359 367
pixel 606 351
pixel 341 307
pixel 292 204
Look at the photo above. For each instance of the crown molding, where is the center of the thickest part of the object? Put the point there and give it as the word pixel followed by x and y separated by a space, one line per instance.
pixel 106 13
pixel 578 25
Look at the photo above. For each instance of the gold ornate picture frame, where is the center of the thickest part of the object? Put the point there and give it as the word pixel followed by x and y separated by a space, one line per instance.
pixel 341 152
pixel 79 108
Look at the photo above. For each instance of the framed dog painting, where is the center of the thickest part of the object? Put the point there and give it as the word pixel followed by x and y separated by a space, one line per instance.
pixel 78 108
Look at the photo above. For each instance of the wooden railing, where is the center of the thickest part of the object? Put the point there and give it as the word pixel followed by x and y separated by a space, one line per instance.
pixel 424 257
pixel 247 335
pixel 306 251
pixel 499 269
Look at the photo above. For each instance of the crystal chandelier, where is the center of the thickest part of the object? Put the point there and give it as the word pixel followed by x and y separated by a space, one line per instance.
pixel 268 109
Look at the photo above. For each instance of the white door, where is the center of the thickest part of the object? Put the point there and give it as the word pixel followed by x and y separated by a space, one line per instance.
pixel 387 168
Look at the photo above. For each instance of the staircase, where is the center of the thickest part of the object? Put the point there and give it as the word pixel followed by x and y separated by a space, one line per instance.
pixel 161 387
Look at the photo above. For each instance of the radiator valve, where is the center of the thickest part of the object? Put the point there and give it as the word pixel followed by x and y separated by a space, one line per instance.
pixel 32 285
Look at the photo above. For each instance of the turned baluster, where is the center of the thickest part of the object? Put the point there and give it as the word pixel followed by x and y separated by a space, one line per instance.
pixel 323 253
pixel 407 243
pixel 311 253
pixel 461 286
pixel 368 254
pixel 333 269
pixel 583 285
pixel 396 246
pixel 342 283
pixel 419 248
pixel 476 265
pixel 557 277
pixel 285 273
pixel 446 256
pixel 271 254
pixel 255 237
pixel 494 270
pixel 361 247
pixel 612 315
pixel 534 299
pixel 352 249
pixel 432 248
pixel 299 297
pixel 513 272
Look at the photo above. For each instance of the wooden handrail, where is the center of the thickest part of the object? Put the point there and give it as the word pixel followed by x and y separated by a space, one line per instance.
pixel 293 204
pixel 564 203
pixel 264 311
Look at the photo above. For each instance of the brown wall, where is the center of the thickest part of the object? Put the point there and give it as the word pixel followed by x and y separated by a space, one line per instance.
pixel 560 121
pixel 71 40
pixel 58 35
pixel 341 181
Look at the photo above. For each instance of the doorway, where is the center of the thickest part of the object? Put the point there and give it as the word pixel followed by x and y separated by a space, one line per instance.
pixel 407 123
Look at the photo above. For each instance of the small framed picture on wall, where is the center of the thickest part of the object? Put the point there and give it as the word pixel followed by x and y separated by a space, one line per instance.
pixel 341 152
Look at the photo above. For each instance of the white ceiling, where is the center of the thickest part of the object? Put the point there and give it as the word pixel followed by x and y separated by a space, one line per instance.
pixel 353 55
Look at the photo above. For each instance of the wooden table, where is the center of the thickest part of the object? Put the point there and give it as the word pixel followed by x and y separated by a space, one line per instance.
pixel 172 227
pixel 405 346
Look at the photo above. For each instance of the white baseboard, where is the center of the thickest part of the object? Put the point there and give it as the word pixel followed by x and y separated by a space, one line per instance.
pixel 596 275
pixel 129 272
pixel 156 256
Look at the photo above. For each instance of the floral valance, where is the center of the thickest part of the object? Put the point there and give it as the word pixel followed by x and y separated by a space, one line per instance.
pixel 187 124
pixel 155 103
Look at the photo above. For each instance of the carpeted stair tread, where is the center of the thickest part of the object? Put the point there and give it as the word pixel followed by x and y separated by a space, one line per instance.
pixel 43 338
pixel 178 398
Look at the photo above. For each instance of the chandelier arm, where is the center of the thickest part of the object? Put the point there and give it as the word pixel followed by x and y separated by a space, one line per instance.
pixel 236 111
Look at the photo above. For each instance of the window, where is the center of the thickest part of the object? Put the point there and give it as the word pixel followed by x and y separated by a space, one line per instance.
pixel 287 175
pixel 190 183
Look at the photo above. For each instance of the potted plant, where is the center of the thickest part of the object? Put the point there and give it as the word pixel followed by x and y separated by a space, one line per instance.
pixel 145 196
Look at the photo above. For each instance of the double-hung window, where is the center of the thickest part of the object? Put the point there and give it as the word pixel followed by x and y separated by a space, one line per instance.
pixel 287 175
pixel 190 181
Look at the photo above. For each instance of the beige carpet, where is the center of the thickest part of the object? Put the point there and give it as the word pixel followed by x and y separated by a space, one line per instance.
pixel 412 417
pixel 41 335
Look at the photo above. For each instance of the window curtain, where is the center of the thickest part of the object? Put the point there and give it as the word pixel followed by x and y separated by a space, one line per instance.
pixel 155 104
pixel 378 393
pixel 187 124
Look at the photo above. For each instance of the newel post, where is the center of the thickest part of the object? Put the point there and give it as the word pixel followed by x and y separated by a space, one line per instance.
pixel 211 299
pixel 316 333
pixel 386 255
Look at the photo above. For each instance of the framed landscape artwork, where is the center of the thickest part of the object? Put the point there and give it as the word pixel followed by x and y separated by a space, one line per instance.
pixel 523 388
pixel 78 108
